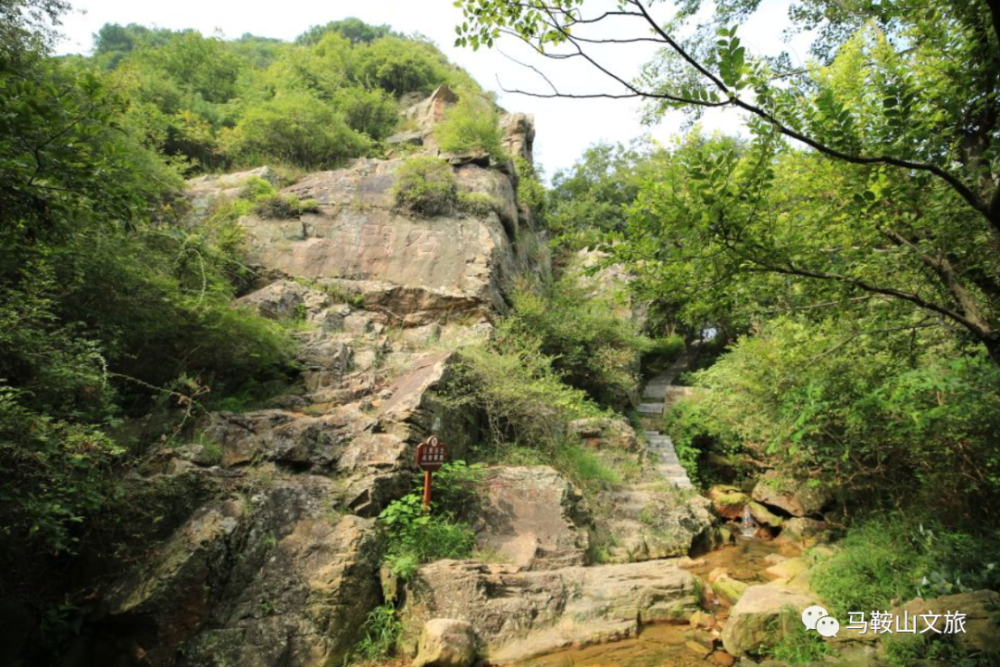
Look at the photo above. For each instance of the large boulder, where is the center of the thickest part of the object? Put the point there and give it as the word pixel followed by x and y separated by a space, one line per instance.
pixel 532 518
pixel 272 579
pixel 652 521
pixel 520 615
pixel 728 501
pixel 446 642
pixel 612 433
pixel 763 615
pixel 795 497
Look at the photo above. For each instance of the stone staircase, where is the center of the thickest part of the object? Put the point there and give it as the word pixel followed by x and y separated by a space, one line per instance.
pixel 661 447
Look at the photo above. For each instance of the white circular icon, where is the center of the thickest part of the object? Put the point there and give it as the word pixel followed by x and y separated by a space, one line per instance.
pixel 811 615
pixel 828 626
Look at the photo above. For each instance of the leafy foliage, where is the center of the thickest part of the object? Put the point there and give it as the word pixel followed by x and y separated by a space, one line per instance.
pixel 473 123
pixel 416 536
pixel 426 185
pixel 294 128
pixel 592 346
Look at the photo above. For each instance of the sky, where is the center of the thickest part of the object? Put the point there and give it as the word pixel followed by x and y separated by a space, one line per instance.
pixel 565 128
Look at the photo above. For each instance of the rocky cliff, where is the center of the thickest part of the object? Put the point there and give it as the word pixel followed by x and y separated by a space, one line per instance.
pixel 279 566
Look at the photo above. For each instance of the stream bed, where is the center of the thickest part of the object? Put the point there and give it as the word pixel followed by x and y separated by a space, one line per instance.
pixel 664 644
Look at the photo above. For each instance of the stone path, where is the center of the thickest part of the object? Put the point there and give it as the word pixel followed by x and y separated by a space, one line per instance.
pixel 661 447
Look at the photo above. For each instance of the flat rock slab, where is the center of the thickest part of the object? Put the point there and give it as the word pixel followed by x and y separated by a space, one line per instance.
pixel 533 518
pixel 521 615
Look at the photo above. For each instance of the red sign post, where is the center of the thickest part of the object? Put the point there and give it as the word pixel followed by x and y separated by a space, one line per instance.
pixel 431 455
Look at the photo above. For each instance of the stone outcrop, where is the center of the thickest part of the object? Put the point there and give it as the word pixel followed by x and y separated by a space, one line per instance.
pixel 649 521
pixel 446 642
pixel 728 501
pixel 519 615
pixel 761 616
pixel 532 518
pixel 273 578
pixel 518 128
pixel 795 497
pixel 605 433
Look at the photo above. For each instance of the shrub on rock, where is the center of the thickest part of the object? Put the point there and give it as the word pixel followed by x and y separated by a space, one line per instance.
pixel 426 185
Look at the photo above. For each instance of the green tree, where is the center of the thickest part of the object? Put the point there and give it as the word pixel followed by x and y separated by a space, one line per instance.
pixel 889 108
pixel 296 128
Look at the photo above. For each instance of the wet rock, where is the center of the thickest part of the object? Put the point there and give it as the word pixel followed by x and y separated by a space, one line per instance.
pixel 764 516
pixel 795 497
pixel 698 649
pixel 605 433
pixel 762 615
pixel 533 518
pixel 446 642
pixel 519 615
pixel 787 569
pixel 722 658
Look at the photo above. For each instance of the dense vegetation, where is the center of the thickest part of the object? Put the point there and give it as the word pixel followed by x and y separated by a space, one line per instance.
pixel 215 104
pixel 844 248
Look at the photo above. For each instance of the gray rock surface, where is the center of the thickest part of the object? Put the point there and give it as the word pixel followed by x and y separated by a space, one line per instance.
pixel 532 518
pixel 267 580
pixel 520 615
pixel 795 497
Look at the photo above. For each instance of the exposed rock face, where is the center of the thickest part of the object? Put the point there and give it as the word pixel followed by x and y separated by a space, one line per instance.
pixel 518 128
pixel 415 270
pixel 446 642
pixel 649 522
pixel 533 518
pixel 279 569
pixel 519 615
pixel 605 433
pixel 202 191
pixel 794 497
pixel 273 579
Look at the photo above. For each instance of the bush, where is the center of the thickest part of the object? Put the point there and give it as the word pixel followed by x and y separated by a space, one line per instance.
pixel 473 123
pixel 426 185
pixel 382 631
pixel 295 127
pixel 889 559
pixel 371 112
pixel 477 203
pixel 415 537
pixel 530 190
pixel 869 417
pixel 592 347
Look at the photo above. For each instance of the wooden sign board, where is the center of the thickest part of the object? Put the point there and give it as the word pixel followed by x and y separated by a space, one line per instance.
pixel 431 454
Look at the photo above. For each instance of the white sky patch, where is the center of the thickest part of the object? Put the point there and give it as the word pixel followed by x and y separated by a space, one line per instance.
pixel 565 127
